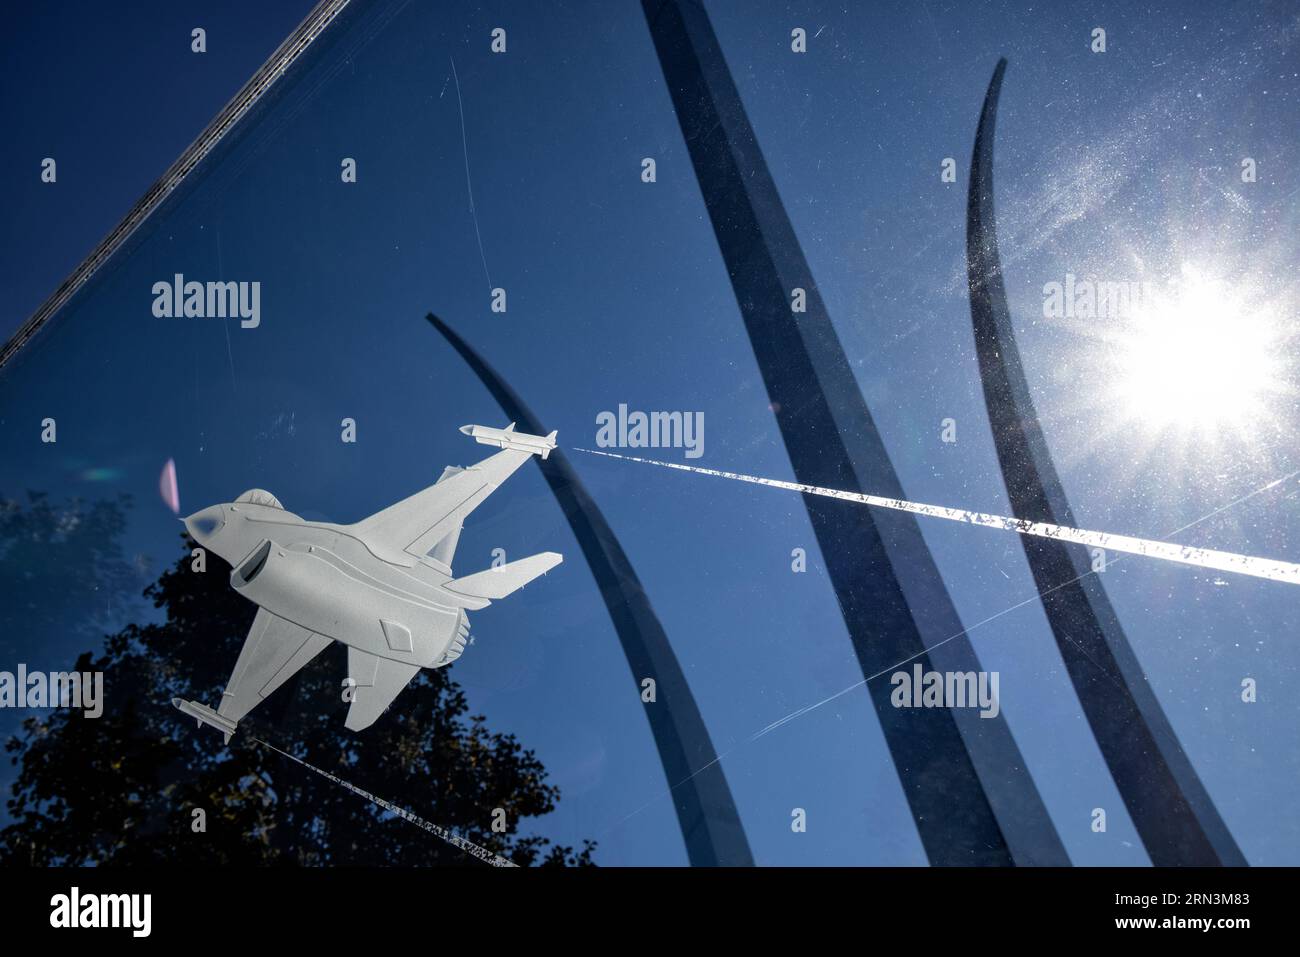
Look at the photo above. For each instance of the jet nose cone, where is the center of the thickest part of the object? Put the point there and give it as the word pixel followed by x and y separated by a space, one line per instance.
pixel 203 525
pixel 467 430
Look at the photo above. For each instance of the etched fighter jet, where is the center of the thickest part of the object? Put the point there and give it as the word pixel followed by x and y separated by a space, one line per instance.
pixel 383 586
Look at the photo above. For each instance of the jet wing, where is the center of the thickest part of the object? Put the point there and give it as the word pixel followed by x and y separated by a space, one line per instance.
pixel 273 652
pixel 409 529
pixel 378 682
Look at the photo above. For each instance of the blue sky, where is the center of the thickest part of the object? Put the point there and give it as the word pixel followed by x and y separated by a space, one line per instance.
pixel 1122 165
pixel 114 99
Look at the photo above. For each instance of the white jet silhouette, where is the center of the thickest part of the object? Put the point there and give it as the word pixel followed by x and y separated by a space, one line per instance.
pixel 383 586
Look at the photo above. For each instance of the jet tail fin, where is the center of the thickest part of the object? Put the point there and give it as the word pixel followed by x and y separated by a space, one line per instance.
pixel 482 588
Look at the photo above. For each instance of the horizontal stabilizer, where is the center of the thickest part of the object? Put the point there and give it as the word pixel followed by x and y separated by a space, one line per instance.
pixel 377 681
pixel 493 583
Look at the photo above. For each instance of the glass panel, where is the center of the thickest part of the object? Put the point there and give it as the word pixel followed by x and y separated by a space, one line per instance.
pixel 507 194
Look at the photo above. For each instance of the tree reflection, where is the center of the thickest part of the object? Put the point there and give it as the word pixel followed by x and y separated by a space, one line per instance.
pixel 124 788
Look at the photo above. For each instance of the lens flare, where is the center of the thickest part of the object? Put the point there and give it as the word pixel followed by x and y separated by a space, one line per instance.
pixel 168 488
pixel 1201 359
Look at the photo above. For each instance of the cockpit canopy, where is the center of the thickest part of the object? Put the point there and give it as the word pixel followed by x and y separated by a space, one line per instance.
pixel 259 496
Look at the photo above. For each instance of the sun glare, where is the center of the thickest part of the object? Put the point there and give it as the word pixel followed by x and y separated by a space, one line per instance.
pixel 1202 358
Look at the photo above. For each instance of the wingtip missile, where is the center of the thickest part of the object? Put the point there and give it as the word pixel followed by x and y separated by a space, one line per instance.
pixel 508 438
pixel 205 715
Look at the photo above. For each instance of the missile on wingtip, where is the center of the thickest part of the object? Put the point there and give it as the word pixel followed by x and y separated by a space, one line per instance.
pixel 508 438
pixel 205 715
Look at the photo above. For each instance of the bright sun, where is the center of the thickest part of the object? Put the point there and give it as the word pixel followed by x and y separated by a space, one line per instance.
pixel 1199 359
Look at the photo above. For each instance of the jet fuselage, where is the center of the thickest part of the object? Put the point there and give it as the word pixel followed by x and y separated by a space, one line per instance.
pixel 393 610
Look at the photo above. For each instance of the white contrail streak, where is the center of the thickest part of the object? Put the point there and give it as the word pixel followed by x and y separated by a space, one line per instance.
pixel 455 840
pixel 1287 572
